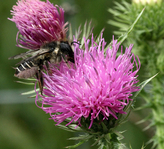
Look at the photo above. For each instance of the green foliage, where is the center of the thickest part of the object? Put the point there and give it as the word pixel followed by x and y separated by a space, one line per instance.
pixel 147 37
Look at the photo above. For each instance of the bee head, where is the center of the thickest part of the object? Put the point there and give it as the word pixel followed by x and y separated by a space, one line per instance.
pixel 67 51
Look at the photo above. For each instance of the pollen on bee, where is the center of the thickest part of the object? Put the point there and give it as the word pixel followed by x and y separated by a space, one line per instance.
pixel 56 50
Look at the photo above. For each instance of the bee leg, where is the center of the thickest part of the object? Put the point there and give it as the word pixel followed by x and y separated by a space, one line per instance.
pixel 48 67
pixel 40 79
pixel 65 60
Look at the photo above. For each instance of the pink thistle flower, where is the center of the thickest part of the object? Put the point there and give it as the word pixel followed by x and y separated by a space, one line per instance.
pixel 96 87
pixel 38 22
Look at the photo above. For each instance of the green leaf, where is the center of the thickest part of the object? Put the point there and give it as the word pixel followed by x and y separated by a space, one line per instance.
pixel 145 119
pixel 142 84
pixel 82 137
pixel 26 83
pixel 123 7
pixel 125 35
pixel 76 145
pixel 65 128
pixel 149 126
pixel 30 92
pixel 102 146
pixel 118 24
pixel 114 12
pixel 74 127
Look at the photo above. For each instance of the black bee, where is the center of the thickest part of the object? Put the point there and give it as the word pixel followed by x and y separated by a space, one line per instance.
pixel 33 60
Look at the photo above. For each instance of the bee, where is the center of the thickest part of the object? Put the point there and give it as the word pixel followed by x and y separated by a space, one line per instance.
pixel 33 60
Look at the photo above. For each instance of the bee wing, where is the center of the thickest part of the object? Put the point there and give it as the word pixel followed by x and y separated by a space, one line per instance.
pixel 30 52
pixel 22 55
pixel 33 54
pixel 26 59
pixel 40 52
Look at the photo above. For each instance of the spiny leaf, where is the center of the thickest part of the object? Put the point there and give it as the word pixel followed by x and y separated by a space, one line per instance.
pixel 149 126
pixel 81 137
pixel 118 24
pixel 65 128
pixel 74 127
pixel 147 105
pixel 26 83
pixel 30 92
pixel 143 84
pixel 145 119
pixel 123 7
pixel 76 145
pixel 124 36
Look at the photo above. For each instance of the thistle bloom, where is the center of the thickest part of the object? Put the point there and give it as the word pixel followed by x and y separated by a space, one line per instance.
pixel 38 22
pixel 96 87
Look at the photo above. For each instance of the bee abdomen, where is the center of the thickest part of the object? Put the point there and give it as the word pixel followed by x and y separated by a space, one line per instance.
pixel 26 70
pixel 23 66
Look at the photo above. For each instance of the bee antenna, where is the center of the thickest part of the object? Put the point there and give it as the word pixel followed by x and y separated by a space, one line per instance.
pixel 75 42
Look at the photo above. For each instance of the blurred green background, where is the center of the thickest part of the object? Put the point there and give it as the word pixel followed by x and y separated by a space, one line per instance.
pixel 22 124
